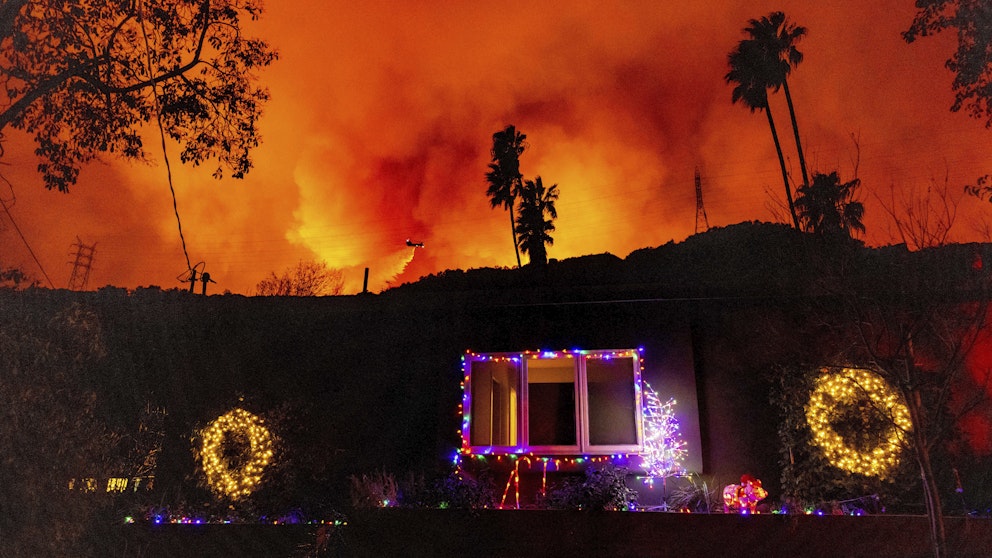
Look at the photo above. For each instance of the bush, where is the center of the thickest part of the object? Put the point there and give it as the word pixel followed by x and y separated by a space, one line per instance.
pixel 464 493
pixel 376 490
pixel 699 496
pixel 600 489
pixel 452 491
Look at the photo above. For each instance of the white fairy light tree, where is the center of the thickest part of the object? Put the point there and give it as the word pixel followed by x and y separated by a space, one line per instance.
pixel 664 448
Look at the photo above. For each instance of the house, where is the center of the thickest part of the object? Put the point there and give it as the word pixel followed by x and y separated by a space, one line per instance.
pixel 556 358
pixel 541 412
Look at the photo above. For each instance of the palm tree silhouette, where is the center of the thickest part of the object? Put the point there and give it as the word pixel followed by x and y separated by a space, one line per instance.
pixel 778 38
pixel 827 206
pixel 746 62
pixel 504 174
pixel 762 62
pixel 533 229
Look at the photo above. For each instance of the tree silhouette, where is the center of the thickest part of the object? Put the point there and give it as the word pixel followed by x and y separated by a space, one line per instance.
pixel 533 229
pixel 778 38
pixel 15 278
pixel 972 60
pixel 308 278
pixel 52 417
pixel 85 78
pixel 971 63
pixel 919 340
pixel 924 220
pixel 827 207
pixel 504 174
pixel 762 62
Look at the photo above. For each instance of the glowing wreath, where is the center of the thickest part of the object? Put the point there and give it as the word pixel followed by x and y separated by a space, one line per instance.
pixel 845 388
pixel 235 476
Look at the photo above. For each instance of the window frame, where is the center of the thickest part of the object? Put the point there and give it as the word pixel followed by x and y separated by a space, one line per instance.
pixel 579 360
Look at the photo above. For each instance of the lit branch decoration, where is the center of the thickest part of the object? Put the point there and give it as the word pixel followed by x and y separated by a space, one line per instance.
pixel 236 476
pixel 664 448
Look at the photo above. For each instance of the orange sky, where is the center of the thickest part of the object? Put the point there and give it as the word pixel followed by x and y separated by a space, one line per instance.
pixel 381 121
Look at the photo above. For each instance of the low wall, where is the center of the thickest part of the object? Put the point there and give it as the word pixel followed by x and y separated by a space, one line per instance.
pixel 548 534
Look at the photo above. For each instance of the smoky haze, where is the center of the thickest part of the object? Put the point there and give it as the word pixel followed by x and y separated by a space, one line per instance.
pixel 381 120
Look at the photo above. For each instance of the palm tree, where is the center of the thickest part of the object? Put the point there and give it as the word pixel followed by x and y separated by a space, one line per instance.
pixel 504 174
pixel 533 229
pixel 777 38
pixel 826 207
pixel 748 65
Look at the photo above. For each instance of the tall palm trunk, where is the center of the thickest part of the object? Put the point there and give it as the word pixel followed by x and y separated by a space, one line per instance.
pixel 795 132
pixel 781 162
pixel 513 229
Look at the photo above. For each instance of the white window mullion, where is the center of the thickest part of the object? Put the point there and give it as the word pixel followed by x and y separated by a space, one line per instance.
pixel 524 431
pixel 582 405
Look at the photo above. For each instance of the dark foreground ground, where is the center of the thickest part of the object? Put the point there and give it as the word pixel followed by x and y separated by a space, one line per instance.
pixel 549 534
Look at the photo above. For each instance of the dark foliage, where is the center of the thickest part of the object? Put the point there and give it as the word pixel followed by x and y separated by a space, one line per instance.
pixel 419 491
pixel 970 21
pixel 459 492
pixel 600 489
pixel 51 431
pixel 15 278
pixel 536 220
pixel 86 78
pixel 504 178
pixel 827 206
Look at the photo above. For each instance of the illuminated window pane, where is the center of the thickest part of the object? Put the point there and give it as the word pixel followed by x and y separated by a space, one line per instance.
pixel 612 403
pixel 551 402
pixel 116 484
pixel 495 403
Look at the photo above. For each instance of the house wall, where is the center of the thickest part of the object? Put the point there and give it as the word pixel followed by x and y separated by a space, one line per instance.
pixel 371 382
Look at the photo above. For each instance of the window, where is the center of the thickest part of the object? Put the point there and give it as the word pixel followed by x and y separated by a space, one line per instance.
pixel 495 395
pixel 572 402
pixel 612 400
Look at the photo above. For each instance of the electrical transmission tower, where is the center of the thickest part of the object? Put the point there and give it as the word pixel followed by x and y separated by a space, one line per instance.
pixel 81 265
pixel 700 210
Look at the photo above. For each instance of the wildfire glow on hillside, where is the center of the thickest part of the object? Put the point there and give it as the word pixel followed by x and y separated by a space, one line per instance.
pixel 381 119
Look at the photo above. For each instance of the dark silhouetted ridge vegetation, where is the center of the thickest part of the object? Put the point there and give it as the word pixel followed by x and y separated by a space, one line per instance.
pixel 746 260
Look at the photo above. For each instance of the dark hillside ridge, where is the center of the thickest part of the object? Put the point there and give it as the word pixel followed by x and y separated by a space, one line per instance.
pixel 738 261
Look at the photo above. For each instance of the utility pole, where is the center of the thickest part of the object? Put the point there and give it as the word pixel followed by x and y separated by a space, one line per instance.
pixel 700 210
pixel 81 265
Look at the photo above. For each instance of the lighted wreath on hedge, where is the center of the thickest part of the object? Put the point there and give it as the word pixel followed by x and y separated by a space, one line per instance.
pixel 237 447
pixel 878 412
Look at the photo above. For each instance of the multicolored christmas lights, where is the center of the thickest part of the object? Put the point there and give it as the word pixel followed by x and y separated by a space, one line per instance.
pixel 660 453
pixel 224 478
pixel 836 390
pixel 743 498
pixel 465 408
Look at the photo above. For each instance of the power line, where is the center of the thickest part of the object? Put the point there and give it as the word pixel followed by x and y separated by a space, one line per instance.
pixel 24 240
pixel 161 132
